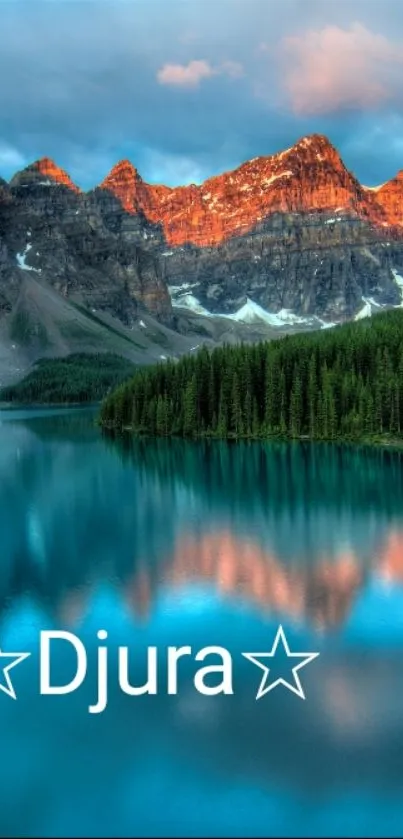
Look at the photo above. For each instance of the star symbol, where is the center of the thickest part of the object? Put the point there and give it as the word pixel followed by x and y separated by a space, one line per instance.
pixel 265 686
pixel 16 659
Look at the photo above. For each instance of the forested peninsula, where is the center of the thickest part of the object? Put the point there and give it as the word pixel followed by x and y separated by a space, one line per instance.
pixel 340 383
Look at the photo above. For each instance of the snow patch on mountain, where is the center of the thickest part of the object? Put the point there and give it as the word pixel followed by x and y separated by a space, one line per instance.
pixel 375 188
pixel 249 313
pixel 374 303
pixel 398 278
pixel 176 290
pixel 399 282
pixel 21 259
pixel 268 181
pixel 189 301
pixel 368 308
pixel 365 311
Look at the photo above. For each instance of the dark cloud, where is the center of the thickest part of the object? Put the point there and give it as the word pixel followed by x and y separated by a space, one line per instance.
pixel 187 88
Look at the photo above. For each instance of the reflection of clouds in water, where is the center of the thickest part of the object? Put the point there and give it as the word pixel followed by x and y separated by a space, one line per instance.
pixel 346 706
pixel 382 601
pixel 189 600
pixel 193 708
pixel 36 537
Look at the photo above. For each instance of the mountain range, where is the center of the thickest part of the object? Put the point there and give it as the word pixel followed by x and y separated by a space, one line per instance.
pixel 287 242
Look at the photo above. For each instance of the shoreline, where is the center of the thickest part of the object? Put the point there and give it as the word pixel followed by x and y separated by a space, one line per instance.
pixel 394 443
pixel 390 443
pixel 32 406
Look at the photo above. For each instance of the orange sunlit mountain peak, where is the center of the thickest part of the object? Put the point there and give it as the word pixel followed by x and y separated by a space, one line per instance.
pixel 49 169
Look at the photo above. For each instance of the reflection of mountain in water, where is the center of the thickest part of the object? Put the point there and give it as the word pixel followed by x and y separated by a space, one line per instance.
pixel 292 528
pixel 298 500
pixel 322 592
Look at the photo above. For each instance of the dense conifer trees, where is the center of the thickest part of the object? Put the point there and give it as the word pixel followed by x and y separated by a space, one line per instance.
pixel 345 382
pixel 77 378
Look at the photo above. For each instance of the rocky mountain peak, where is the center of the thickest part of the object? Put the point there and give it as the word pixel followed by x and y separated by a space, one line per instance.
pixel 390 197
pixel 124 169
pixel 316 153
pixel 394 183
pixel 123 181
pixel 308 177
pixel 316 144
pixel 44 172
pixel 283 242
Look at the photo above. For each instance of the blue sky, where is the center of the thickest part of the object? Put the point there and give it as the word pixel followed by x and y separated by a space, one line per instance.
pixel 188 88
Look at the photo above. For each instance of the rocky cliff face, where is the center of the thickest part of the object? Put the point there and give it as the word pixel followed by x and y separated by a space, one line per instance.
pixel 292 266
pixel 57 233
pixel 295 233
pixel 308 177
pixel 389 196
pixel 288 240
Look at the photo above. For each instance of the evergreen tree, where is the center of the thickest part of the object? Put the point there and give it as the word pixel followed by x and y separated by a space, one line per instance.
pixel 296 405
pixel 190 407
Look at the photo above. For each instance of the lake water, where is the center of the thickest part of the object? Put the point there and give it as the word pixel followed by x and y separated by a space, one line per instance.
pixel 170 543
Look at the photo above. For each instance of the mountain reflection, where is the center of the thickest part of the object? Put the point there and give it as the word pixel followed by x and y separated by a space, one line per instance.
pixel 390 566
pixel 322 593
pixel 294 530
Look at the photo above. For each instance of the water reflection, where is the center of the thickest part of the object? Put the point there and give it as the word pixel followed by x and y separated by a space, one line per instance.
pixel 321 592
pixel 178 543
pixel 296 530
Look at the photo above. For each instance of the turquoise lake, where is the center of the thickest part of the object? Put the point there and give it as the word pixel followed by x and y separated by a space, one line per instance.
pixel 180 543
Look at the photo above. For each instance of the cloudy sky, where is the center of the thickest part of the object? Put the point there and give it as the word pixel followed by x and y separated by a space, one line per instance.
pixel 188 88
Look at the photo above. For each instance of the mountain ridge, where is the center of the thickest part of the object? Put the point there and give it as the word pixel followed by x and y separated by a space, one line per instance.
pixel 283 243
pixel 126 162
pixel 232 202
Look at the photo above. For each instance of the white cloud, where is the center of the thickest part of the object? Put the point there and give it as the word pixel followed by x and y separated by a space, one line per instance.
pixel 191 74
pixel 331 68
pixel 181 75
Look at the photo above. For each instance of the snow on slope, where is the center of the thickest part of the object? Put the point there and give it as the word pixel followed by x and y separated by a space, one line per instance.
pixel 399 282
pixel 366 310
pixel 21 259
pixel 249 313
pixel 189 301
